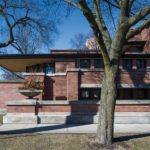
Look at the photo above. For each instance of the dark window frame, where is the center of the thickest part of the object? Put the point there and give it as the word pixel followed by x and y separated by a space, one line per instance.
pixel 127 93
pixel 144 92
pixel 143 65
pixel 101 64
pixel 127 66
pixel 89 65
pixel 90 91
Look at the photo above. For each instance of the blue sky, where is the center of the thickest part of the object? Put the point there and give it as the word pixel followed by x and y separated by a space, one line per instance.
pixel 76 23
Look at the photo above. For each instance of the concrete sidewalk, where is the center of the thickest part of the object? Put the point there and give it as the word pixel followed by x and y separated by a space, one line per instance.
pixel 69 128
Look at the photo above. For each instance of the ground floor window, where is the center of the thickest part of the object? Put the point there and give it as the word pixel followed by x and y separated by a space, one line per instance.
pixel 142 94
pixel 90 93
pixel 125 93
pixel 128 93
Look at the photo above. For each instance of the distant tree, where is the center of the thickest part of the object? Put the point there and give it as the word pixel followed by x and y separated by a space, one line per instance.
pixel 111 22
pixel 78 41
pixel 84 41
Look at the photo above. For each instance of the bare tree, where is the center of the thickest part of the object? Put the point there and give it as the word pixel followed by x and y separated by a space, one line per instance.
pixel 78 41
pixel 128 14
pixel 25 25
pixel 83 41
pixel 26 28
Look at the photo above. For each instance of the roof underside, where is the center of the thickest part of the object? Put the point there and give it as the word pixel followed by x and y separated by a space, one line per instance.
pixel 18 63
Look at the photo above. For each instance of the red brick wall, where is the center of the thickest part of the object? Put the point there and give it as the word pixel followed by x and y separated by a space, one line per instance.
pixel 63 87
pixel 135 77
pixel 21 109
pixel 60 87
pixel 73 85
pixel 91 77
pixel 75 108
pixel 61 65
pixel 9 92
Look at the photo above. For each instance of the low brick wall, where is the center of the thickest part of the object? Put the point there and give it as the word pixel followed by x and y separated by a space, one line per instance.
pixel 74 111
pixel 9 92
pixel 33 106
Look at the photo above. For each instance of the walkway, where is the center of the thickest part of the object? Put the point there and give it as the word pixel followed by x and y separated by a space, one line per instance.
pixel 69 128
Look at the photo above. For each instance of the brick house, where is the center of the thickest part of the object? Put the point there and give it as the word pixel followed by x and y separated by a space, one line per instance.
pixel 72 80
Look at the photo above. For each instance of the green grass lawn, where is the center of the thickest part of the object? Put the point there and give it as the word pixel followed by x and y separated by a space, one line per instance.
pixel 68 142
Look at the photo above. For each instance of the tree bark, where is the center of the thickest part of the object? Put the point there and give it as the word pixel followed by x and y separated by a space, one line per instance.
pixel 107 106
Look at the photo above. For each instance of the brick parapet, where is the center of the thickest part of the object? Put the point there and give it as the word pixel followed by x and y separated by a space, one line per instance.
pixel 75 106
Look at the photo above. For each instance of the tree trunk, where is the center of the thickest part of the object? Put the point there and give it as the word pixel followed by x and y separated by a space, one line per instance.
pixel 107 106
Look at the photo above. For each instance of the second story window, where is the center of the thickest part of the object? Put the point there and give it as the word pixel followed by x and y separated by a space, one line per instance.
pixel 85 63
pixel 98 64
pixel 127 64
pixel 141 64
pixel 49 68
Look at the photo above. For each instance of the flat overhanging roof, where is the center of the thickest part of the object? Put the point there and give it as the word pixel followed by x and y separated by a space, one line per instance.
pixel 18 63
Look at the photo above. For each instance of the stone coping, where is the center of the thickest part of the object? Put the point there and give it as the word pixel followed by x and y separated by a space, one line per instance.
pixel 90 113
pixel 122 85
pixel 83 69
pixel 88 102
pixel 56 74
pixel 33 73
pixel 30 102
pixel 20 114
pixel 26 102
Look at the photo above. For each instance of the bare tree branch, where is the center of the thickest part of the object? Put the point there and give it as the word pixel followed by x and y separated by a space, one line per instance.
pixel 89 16
pixel 101 24
pixel 139 16
pixel 22 21
pixel 116 5
pixel 131 4
pixel 73 4
pixel 124 5
pixel 17 47
pixel 137 30
pixel 111 15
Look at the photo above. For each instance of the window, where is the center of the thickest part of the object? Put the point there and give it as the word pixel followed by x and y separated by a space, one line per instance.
pixel 127 64
pixel 85 94
pixel 128 93
pixel 141 64
pixel 95 94
pixel 98 63
pixel 49 68
pixel 90 94
pixel 141 94
pixel 85 63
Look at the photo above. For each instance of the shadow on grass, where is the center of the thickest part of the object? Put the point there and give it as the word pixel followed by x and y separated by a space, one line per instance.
pixel 130 137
